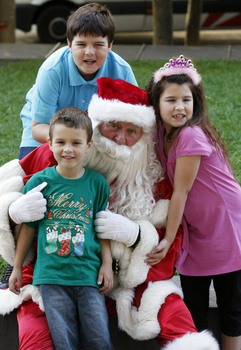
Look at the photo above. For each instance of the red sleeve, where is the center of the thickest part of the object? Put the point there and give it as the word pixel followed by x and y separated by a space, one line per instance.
pixel 37 160
pixel 165 268
pixel 163 189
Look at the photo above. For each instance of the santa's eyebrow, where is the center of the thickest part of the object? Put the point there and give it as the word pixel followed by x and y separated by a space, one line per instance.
pixel 116 123
pixel 135 127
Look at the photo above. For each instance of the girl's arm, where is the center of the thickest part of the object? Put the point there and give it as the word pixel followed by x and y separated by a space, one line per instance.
pixel 105 272
pixel 40 131
pixel 24 242
pixel 185 173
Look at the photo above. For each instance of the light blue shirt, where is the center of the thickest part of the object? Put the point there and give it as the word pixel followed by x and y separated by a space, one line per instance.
pixel 59 84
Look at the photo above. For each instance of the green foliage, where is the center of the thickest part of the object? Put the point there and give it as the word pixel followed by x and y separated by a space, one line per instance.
pixel 221 80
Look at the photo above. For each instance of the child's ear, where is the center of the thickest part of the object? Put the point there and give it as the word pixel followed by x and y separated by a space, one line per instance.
pixel 89 144
pixel 110 47
pixel 69 45
pixel 50 144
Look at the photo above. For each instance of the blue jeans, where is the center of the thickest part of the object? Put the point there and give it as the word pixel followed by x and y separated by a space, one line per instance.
pixel 74 312
pixel 24 151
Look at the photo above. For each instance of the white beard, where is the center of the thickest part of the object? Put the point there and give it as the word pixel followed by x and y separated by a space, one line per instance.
pixel 135 170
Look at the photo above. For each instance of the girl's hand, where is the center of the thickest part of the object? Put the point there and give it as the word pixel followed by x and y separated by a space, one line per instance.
pixel 158 253
pixel 105 274
pixel 16 277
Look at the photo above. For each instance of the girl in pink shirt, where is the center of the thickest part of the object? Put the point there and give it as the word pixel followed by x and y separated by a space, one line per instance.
pixel 206 198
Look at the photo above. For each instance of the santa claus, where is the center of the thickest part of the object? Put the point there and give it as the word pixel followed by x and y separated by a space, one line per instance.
pixel 147 302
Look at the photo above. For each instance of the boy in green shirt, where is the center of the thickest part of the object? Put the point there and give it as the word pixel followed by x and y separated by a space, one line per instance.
pixel 73 268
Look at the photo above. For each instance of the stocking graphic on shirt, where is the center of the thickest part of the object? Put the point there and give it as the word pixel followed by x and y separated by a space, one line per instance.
pixel 78 242
pixel 52 240
pixel 89 212
pixel 50 216
pixel 64 240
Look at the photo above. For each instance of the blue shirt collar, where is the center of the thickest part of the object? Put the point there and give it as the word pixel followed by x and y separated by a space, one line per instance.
pixel 75 77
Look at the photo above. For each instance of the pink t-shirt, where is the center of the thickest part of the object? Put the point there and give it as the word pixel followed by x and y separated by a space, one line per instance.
pixel 212 216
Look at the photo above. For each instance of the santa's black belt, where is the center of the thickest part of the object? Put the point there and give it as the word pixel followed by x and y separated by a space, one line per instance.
pixel 115 267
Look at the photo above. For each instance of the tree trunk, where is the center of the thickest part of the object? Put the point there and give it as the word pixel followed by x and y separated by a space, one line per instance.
pixel 192 25
pixel 162 22
pixel 7 21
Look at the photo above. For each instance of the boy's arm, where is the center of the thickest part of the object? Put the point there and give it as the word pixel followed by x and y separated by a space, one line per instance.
pixel 45 97
pixel 40 131
pixel 24 242
pixel 131 78
pixel 105 272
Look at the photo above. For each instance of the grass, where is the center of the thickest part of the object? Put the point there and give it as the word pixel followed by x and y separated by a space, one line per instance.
pixel 3 265
pixel 16 78
pixel 221 80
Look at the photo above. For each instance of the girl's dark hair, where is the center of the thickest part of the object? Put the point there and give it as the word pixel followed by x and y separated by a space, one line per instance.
pixel 91 19
pixel 200 114
pixel 72 117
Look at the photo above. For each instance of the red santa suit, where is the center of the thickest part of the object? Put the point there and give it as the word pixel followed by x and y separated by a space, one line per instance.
pixel 147 302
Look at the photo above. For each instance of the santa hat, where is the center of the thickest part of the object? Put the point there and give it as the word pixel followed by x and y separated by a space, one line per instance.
pixel 119 101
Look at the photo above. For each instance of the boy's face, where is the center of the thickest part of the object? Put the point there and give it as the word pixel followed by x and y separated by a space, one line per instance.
pixel 69 146
pixel 89 54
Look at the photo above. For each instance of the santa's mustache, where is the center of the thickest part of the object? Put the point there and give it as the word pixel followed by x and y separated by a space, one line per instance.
pixel 114 150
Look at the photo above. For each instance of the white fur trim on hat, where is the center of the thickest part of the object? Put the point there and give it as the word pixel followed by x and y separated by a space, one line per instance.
pixel 103 111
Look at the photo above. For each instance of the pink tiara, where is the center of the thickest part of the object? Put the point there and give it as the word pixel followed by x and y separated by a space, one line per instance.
pixel 178 66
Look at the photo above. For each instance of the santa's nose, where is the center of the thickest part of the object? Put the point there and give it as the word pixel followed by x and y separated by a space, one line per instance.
pixel 120 138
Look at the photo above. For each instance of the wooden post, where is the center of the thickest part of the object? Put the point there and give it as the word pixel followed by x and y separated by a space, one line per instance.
pixel 192 24
pixel 7 21
pixel 162 22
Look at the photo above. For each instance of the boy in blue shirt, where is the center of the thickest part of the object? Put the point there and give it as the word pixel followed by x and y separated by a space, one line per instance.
pixel 68 77
pixel 72 263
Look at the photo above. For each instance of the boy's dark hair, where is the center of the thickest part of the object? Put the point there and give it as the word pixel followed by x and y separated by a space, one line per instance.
pixel 72 117
pixel 91 19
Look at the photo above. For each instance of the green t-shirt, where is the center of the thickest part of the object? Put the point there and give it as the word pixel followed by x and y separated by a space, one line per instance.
pixel 68 251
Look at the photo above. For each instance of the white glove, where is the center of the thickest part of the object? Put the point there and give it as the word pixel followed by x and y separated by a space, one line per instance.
pixel 113 226
pixel 29 207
